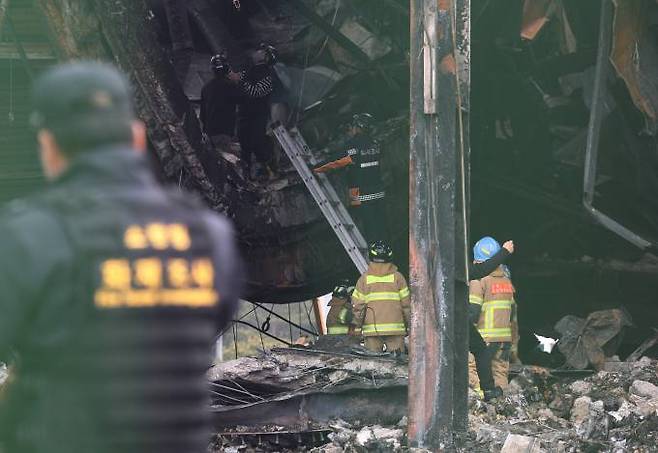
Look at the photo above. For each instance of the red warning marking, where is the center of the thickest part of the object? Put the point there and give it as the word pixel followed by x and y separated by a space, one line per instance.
pixel 499 288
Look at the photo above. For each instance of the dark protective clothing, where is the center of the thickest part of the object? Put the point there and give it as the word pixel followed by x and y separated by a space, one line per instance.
pixel 382 302
pixel 256 86
pixel 362 156
pixel 481 361
pixel 113 291
pixel 219 99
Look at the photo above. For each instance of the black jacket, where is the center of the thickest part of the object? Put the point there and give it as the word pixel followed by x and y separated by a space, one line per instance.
pixel 113 289
pixel 476 271
pixel 219 98
pixel 362 155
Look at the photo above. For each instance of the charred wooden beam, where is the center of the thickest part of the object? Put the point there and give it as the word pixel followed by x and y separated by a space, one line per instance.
pixel 437 227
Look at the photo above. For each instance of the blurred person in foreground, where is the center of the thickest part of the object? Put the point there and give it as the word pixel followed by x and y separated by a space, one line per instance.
pixel 113 287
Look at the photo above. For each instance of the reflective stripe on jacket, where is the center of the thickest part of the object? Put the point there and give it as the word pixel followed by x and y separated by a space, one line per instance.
pixel 381 301
pixel 361 155
pixel 495 295
pixel 336 325
pixel 337 330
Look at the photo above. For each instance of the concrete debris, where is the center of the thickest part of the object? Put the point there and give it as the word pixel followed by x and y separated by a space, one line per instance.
pixel 520 444
pixel 581 410
pixel 581 387
pixel 541 412
pixel 644 389
pixel 306 388
pixel 603 412
pixel 373 437
pixel 589 418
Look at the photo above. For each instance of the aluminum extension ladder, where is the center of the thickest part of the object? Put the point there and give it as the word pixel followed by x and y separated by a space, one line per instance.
pixel 324 194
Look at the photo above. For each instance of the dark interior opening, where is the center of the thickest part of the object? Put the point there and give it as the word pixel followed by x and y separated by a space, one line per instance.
pixel 531 100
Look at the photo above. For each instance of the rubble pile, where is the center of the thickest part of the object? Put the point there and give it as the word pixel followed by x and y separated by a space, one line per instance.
pixel 613 410
pixel 609 411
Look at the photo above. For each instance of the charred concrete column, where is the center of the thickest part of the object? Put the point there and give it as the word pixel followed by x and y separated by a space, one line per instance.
pixel 462 42
pixel 438 177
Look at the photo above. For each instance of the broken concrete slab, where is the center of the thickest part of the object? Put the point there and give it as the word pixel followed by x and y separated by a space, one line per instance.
pixel 644 389
pixel 581 410
pixel 294 386
pixel 590 418
pixel 581 387
pixel 516 443
pixel 373 437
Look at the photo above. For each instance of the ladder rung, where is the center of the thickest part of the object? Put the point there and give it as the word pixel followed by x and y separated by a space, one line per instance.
pixel 325 196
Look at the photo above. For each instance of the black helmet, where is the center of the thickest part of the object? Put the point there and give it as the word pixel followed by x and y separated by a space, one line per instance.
pixel 362 120
pixel 380 252
pixel 271 54
pixel 341 291
pixel 219 64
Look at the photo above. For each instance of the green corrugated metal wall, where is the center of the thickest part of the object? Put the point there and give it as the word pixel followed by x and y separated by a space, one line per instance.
pixel 20 172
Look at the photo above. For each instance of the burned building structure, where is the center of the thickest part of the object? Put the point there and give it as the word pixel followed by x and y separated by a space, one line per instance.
pixel 563 125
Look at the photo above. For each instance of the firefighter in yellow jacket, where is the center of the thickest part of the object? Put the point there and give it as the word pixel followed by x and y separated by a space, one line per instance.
pixel 381 302
pixel 340 312
pixel 493 309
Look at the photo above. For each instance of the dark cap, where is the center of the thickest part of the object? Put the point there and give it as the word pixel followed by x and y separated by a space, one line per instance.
pixel 79 94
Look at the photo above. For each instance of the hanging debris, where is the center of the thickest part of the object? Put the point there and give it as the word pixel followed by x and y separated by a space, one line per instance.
pixel 589 341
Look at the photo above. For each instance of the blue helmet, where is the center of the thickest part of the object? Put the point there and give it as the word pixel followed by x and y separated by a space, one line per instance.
pixel 485 248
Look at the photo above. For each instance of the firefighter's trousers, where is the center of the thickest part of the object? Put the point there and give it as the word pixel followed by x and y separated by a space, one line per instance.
pixel 392 342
